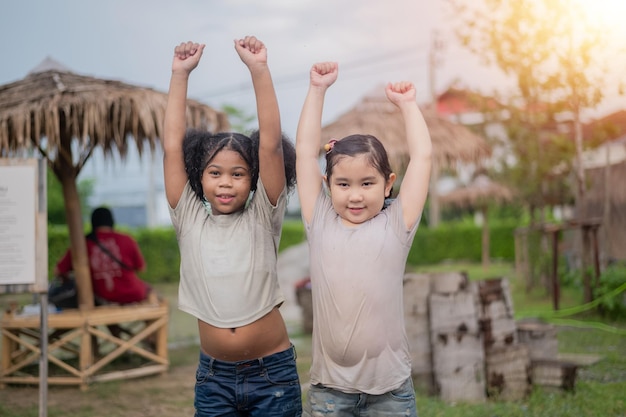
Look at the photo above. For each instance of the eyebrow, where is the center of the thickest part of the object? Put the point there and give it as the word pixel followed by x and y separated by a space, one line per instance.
pixel 233 168
pixel 370 178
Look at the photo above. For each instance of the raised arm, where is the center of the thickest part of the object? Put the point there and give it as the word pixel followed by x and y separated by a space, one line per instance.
pixel 414 187
pixel 271 165
pixel 186 58
pixel 309 136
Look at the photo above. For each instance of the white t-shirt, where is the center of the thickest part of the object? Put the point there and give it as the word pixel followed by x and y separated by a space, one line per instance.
pixel 228 262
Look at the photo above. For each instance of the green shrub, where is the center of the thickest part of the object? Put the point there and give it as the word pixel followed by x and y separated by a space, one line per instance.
pixel 612 302
pixel 293 234
pixel 461 242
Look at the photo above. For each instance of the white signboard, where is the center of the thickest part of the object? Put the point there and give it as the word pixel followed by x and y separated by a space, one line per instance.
pixel 20 221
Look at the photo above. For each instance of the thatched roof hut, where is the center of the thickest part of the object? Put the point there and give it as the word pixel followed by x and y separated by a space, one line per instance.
pixel 478 194
pixel 375 115
pixel 64 116
pixel 52 104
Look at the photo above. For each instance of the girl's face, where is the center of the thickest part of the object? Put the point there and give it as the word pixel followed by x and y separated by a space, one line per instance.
pixel 226 182
pixel 357 189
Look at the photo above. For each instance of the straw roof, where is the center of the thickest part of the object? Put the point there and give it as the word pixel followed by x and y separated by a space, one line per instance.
pixel 375 115
pixel 54 103
pixel 480 191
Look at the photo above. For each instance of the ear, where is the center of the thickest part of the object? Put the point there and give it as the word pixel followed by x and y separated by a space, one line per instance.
pixel 389 184
pixel 325 178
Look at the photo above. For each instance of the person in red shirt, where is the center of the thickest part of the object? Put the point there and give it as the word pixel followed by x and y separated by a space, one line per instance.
pixel 114 260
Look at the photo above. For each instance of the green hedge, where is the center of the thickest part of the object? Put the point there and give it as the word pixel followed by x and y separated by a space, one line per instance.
pixel 461 243
pixel 431 246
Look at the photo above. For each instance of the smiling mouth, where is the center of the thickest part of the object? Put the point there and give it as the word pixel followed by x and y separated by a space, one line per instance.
pixel 225 199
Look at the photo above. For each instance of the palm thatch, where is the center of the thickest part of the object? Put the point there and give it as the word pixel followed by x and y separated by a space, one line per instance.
pixel 52 104
pixel 375 115
pixel 65 116
pixel 479 193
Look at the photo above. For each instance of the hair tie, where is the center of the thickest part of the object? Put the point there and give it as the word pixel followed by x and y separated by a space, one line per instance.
pixel 330 145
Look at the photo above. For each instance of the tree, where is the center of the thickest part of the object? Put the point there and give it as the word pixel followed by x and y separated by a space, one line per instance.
pixel 552 53
pixel 56 205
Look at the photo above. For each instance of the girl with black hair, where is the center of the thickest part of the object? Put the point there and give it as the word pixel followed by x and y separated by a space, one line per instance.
pixel 227 195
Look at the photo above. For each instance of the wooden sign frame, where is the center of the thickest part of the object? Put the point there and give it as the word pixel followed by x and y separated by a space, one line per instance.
pixel 23 226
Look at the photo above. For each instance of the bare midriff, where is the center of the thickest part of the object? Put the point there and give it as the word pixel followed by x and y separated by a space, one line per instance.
pixel 261 338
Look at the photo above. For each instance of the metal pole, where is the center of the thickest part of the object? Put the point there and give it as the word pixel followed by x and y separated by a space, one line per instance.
pixel 43 360
pixel 42 211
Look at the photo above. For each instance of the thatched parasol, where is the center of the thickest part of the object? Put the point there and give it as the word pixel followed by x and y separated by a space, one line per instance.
pixel 479 193
pixel 65 116
pixel 375 115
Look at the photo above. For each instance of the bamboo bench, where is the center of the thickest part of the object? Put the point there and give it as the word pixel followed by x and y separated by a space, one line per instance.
pixel 80 347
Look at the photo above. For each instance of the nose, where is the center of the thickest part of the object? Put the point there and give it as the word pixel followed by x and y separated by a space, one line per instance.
pixel 355 196
pixel 225 181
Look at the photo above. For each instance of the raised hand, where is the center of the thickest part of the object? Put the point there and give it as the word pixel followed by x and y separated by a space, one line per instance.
pixel 251 51
pixel 324 74
pixel 187 56
pixel 400 92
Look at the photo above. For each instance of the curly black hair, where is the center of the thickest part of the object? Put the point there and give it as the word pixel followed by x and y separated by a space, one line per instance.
pixel 200 147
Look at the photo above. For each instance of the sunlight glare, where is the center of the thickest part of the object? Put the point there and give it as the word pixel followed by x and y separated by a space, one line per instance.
pixel 605 14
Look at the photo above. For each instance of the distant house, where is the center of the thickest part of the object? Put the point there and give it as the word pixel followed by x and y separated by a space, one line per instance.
pixel 605 170
pixel 472 109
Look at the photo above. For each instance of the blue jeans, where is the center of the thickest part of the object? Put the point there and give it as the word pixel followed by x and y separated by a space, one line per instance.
pixel 267 386
pixel 328 402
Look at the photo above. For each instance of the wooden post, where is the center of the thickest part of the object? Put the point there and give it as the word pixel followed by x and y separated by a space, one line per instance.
pixel 596 255
pixel 554 232
pixel 485 238
pixel 556 287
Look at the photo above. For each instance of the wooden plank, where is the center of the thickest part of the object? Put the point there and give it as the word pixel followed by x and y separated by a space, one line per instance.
pixel 508 373
pixel 497 309
pixel 466 384
pixel 541 339
pixel 498 333
pixel 453 313
pixel 130 373
pixel 451 352
pixel 416 288
pixel 554 373
pixel 449 282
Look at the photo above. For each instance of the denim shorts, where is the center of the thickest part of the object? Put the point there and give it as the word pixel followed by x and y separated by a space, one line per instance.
pixel 268 386
pixel 328 402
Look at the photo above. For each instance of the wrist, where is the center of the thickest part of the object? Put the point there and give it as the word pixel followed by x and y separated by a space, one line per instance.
pixel 180 74
pixel 258 68
pixel 319 89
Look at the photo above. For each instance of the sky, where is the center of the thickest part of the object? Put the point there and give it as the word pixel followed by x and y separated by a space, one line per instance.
pixel 133 41
pixel 373 41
